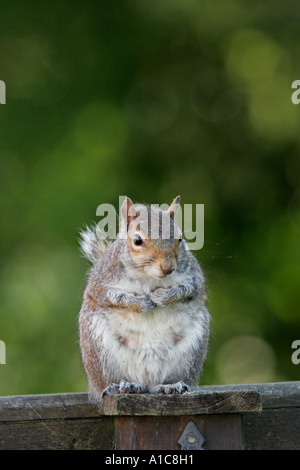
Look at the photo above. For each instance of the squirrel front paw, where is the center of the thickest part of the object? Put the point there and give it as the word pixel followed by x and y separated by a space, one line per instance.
pixel 162 296
pixel 172 389
pixel 122 387
pixel 146 304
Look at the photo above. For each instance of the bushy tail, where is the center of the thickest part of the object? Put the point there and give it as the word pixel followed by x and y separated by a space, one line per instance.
pixel 92 247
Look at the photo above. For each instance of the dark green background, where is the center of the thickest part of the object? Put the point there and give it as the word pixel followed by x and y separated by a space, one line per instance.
pixel 150 100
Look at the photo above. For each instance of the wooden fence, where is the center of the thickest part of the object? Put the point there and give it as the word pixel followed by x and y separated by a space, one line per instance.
pixel 255 416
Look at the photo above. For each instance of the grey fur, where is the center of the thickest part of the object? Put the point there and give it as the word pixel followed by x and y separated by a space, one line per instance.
pixel 92 247
pixel 140 330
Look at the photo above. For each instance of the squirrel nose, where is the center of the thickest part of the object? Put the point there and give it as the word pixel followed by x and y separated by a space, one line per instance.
pixel 167 271
pixel 167 267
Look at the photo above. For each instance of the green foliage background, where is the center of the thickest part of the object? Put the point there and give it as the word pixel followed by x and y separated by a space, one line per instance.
pixel 150 100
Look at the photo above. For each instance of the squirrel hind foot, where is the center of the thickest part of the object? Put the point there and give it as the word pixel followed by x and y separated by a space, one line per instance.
pixel 122 388
pixel 177 388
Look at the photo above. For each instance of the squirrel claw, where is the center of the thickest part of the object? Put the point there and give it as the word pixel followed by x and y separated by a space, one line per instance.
pixel 110 390
pixel 121 388
pixel 172 389
pixel 129 387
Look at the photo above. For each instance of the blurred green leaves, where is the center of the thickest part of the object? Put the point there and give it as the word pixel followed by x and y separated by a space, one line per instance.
pixel 263 66
pixel 149 100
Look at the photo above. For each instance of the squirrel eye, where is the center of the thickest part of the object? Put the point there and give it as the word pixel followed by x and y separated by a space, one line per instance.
pixel 180 240
pixel 137 239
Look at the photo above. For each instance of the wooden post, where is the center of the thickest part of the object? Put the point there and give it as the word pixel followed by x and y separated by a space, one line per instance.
pixel 256 416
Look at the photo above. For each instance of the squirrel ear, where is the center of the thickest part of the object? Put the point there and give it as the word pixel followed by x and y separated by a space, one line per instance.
pixel 128 212
pixel 174 207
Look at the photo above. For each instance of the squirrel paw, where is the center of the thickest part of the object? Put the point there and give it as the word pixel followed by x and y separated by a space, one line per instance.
pixel 161 296
pixel 122 387
pixel 172 389
pixel 129 387
pixel 147 304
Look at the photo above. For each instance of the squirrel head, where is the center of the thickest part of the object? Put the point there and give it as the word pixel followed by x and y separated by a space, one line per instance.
pixel 154 240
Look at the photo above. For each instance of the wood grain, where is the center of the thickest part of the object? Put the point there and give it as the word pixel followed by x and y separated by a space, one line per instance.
pixel 54 406
pixel 274 429
pixel 251 416
pixel 274 395
pixel 65 434
pixel 188 404
pixel 159 433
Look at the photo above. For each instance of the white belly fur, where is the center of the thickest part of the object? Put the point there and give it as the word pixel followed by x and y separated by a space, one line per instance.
pixel 147 353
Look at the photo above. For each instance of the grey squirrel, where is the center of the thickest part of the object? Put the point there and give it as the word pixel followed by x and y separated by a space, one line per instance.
pixel 143 324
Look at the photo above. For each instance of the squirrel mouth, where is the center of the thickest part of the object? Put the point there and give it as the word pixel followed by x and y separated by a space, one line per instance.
pixel 158 273
pixel 156 276
pixel 162 275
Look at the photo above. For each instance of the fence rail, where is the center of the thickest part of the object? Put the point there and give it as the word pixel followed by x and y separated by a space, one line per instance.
pixel 255 416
